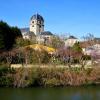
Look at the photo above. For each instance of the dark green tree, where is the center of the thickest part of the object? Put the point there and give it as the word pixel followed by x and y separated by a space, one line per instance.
pixel 76 47
pixel 8 35
pixel 16 31
pixel 1 42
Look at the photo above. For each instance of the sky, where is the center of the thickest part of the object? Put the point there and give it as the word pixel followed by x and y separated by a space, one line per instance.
pixel 64 17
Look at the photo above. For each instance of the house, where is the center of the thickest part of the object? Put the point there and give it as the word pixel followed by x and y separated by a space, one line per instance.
pixel 70 41
pixel 92 50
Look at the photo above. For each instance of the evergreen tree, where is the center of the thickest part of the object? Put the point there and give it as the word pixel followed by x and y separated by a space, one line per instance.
pixel 76 47
pixel 8 35
pixel 1 42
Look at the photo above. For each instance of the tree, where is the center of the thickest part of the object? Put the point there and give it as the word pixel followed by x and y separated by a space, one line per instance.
pixel 20 42
pixel 1 42
pixel 89 39
pixel 16 31
pixel 56 42
pixel 76 47
pixel 8 35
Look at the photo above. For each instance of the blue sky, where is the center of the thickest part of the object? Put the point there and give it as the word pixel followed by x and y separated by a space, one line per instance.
pixel 77 17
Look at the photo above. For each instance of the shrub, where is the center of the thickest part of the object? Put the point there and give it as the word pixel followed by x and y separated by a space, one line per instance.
pixel 6 76
pixel 6 81
pixel 4 69
pixel 52 82
pixel 25 77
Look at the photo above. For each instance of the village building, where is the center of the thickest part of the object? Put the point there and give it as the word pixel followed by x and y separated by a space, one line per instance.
pixel 36 29
pixel 70 41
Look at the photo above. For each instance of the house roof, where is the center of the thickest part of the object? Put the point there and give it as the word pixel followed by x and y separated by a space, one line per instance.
pixel 29 34
pixel 24 29
pixel 37 17
pixel 97 39
pixel 46 33
pixel 72 37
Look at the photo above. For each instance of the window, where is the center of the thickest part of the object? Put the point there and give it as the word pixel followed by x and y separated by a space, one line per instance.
pixel 39 22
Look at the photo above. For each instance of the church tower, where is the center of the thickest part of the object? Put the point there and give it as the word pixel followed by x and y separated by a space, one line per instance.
pixel 37 24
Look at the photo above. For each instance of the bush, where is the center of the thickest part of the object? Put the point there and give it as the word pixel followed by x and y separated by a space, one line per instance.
pixel 25 77
pixel 6 81
pixel 87 57
pixel 52 82
pixel 4 69
pixel 6 76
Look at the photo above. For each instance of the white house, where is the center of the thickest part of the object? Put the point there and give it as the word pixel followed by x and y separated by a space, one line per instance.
pixel 92 49
pixel 70 41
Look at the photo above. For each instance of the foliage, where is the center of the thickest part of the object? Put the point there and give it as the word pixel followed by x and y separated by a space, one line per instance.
pixel 6 76
pixel 39 57
pixel 20 42
pixel 16 31
pixel 64 77
pixel 50 76
pixel 25 55
pixel 1 42
pixel 4 69
pixel 56 60
pixel 8 35
pixel 76 47
pixel 56 42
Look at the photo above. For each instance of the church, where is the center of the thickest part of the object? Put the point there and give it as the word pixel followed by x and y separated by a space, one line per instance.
pixel 36 29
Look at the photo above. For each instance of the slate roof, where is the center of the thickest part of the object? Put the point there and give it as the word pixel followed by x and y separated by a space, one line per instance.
pixel 72 37
pixel 30 34
pixel 24 30
pixel 46 33
pixel 37 17
pixel 98 39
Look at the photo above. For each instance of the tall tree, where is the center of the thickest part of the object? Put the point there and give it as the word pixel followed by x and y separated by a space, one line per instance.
pixel 16 31
pixel 8 35
pixel 1 42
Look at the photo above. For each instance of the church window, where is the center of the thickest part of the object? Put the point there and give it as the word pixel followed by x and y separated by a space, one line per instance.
pixel 39 22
